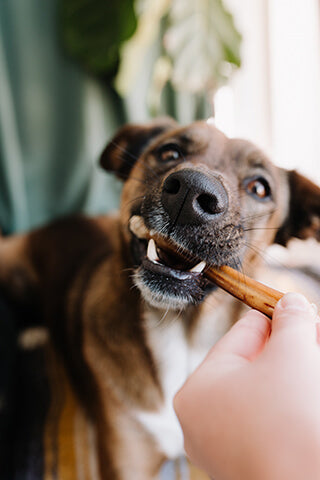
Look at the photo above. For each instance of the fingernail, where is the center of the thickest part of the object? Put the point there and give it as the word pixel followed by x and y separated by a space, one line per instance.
pixel 296 301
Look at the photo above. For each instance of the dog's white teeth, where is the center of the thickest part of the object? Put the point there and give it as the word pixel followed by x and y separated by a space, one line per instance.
pixel 198 268
pixel 152 251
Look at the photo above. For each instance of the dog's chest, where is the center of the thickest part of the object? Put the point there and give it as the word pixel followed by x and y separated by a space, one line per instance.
pixel 175 358
pixel 170 351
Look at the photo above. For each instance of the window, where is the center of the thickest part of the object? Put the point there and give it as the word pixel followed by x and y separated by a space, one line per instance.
pixel 274 99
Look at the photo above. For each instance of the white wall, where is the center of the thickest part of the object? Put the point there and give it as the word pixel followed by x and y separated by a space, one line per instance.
pixel 274 99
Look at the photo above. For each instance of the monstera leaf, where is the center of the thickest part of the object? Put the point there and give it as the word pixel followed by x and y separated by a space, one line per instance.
pixel 93 31
pixel 200 45
pixel 202 42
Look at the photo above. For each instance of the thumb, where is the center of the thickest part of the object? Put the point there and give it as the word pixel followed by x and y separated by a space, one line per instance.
pixel 246 338
pixel 293 313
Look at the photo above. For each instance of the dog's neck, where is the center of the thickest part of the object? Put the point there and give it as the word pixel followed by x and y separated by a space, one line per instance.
pixel 200 327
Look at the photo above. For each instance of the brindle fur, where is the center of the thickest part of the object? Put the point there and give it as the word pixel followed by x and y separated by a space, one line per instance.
pixel 78 274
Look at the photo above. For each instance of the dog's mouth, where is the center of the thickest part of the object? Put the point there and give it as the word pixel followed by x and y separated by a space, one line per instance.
pixel 163 253
pixel 167 275
pixel 172 263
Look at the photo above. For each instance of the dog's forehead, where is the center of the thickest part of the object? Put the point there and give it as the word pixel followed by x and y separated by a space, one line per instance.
pixel 205 140
pixel 200 136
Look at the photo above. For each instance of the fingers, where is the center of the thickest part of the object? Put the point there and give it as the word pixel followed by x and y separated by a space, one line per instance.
pixel 295 308
pixel 246 338
pixel 243 342
pixel 294 328
pixel 292 312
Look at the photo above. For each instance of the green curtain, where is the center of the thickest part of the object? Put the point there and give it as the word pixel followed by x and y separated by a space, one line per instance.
pixel 54 122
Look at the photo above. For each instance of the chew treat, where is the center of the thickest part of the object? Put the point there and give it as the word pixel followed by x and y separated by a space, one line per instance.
pixel 251 292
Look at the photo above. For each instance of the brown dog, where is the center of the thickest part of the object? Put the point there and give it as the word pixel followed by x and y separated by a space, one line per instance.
pixel 129 320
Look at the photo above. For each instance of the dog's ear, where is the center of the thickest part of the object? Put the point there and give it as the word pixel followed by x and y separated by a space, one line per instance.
pixel 303 219
pixel 126 146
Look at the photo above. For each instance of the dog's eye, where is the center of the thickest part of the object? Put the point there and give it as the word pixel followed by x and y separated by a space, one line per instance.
pixel 169 153
pixel 258 187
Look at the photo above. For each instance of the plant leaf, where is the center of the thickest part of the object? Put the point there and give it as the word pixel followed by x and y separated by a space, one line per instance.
pixel 135 50
pixel 94 30
pixel 200 38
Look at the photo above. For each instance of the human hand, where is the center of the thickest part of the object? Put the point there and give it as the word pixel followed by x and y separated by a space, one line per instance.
pixel 251 411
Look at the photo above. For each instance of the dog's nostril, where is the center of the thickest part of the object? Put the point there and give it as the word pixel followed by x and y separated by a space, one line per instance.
pixel 172 185
pixel 208 203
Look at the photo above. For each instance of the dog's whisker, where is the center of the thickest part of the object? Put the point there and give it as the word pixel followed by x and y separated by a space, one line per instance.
pixel 178 316
pixel 140 180
pixel 129 202
pixel 163 318
pixel 258 216
pixel 269 259
pixel 260 228
pixel 255 249
pixel 164 315
pixel 133 286
pixel 124 150
pixel 239 264
pixel 124 270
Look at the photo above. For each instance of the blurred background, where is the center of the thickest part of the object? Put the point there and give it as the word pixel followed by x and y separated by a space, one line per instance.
pixel 73 71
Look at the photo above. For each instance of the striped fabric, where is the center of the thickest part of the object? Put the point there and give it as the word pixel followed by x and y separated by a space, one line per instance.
pixel 55 440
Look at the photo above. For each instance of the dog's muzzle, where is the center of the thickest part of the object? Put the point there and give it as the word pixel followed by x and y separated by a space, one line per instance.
pixel 190 213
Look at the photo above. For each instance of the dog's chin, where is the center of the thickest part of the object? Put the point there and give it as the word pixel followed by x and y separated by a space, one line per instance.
pixel 164 287
pixel 160 299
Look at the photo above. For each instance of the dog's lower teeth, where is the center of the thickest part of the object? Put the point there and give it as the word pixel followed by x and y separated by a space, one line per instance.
pixel 198 268
pixel 152 251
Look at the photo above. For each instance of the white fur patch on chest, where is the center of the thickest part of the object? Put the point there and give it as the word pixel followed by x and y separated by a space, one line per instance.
pixel 175 358
pixel 167 342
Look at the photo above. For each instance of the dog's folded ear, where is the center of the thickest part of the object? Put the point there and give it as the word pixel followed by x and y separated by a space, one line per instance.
pixel 303 219
pixel 126 146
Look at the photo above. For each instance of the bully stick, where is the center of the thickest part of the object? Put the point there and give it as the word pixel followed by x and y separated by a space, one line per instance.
pixel 251 292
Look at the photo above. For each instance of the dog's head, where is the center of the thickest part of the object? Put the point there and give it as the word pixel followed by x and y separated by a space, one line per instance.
pixel 217 200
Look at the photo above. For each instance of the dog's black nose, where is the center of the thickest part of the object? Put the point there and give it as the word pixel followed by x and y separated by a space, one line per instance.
pixel 191 197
